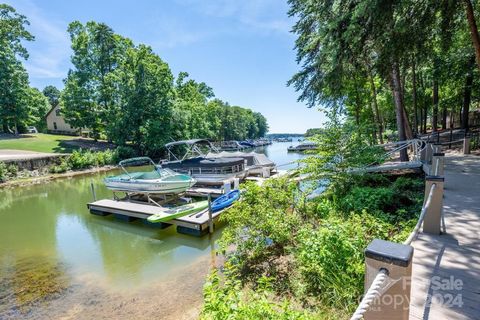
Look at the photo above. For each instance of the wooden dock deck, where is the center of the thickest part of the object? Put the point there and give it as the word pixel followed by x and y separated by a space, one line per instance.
pixel 453 257
pixel 195 224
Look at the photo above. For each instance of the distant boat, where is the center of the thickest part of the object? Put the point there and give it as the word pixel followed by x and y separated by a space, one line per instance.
pixel 178 212
pixel 157 181
pixel 225 201
pixel 230 145
pixel 247 144
pixel 190 157
pixel 303 147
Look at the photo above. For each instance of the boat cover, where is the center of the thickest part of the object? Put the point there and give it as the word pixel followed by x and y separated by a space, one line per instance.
pixel 201 162
pixel 252 158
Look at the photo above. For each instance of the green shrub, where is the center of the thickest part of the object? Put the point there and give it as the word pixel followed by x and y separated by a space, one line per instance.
pixel 313 251
pixel 60 168
pixel 12 170
pixel 125 152
pixel 7 172
pixel 86 159
pixel 229 300
pixel 368 198
pixel 3 172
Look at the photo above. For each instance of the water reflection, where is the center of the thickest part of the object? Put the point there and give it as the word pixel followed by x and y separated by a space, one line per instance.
pixel 54 254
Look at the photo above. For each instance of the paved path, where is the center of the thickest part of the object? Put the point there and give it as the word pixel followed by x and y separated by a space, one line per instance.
pixel 9 154
pixel 454 254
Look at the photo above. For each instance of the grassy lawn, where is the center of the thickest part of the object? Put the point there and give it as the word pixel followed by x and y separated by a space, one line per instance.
pixel 39 142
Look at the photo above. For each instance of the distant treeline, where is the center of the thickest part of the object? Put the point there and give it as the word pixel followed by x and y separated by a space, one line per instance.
pixel 283 135
pixel 120 91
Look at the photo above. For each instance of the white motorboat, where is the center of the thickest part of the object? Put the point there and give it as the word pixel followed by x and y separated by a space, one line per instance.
pixel 156 181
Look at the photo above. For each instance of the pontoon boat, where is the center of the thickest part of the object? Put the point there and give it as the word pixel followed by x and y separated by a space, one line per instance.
pixel 190 157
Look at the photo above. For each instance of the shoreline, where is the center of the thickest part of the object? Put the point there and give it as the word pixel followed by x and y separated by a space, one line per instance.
pixel 53 176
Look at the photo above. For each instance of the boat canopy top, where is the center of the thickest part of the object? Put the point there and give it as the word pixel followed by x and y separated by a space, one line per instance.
pixel 190 148
pixel 136 161
pixel 187 142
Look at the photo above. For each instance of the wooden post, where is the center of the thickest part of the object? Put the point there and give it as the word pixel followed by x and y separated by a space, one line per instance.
pixel 428 153
pixel 466 145
pixel 433 214
pixel 438 163
pixel 210 219
pixel 437 148
pixel 93 191
pixel 396 258
pixel 423 153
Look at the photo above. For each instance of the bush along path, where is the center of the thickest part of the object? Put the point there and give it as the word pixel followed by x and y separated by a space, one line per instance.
pixel 76 163
pixel 297 259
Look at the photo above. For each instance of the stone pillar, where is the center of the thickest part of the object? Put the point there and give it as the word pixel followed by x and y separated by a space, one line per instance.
pixel 396 258
pixel 466 145
pixel 438 163
pixel 433 214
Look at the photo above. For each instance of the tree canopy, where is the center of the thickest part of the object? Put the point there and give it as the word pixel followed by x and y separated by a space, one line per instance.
pixel 127 94
pixel 388 65
pixel 20 105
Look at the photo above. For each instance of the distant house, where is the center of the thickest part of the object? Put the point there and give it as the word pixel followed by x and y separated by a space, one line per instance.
pixel 57 124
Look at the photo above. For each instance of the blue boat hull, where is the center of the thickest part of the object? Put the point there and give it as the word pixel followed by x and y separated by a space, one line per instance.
pixel 225 200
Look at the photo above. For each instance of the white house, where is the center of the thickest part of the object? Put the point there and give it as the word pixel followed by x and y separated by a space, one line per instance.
pixel 57 124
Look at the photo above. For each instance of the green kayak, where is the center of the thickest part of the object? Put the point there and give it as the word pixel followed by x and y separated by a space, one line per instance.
pixel 178 212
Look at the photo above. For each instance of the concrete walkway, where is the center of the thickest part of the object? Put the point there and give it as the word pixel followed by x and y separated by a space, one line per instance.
pixel 446 268
pixel 9 154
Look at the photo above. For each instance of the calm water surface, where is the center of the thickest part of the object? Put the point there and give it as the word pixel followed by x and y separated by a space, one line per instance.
pixel 59 261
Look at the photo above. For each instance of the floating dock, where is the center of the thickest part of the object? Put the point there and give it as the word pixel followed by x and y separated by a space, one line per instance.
pixel 134 207
pixel 196 224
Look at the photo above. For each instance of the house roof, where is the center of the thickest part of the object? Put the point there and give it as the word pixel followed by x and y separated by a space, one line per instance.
pixel 50 111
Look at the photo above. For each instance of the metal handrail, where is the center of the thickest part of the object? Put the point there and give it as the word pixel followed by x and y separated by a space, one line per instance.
pixel 414 233
pixel 372 293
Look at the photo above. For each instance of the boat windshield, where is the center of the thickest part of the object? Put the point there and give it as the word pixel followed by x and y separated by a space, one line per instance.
pixel 140 165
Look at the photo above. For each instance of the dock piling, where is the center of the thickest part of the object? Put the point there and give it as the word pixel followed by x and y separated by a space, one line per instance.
pixel 227 186
pixel 93 191
pixel 210 219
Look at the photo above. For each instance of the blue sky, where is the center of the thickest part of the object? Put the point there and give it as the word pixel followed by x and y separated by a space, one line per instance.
pixel 243 49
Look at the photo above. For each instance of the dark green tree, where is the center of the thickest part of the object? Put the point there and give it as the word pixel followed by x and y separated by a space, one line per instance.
pixel 14 112
pixel 52 94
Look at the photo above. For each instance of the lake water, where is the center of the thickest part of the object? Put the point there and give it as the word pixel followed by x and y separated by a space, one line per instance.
pixel 59 261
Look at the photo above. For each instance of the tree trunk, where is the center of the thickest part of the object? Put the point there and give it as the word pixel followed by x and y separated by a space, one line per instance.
pixel 444 116
pixel 467 95
pixel 473 29
pixel 375 108
pixel 425 116
pixel 399 112
pixel 414 97
pixel 435 105
pixel 408 128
